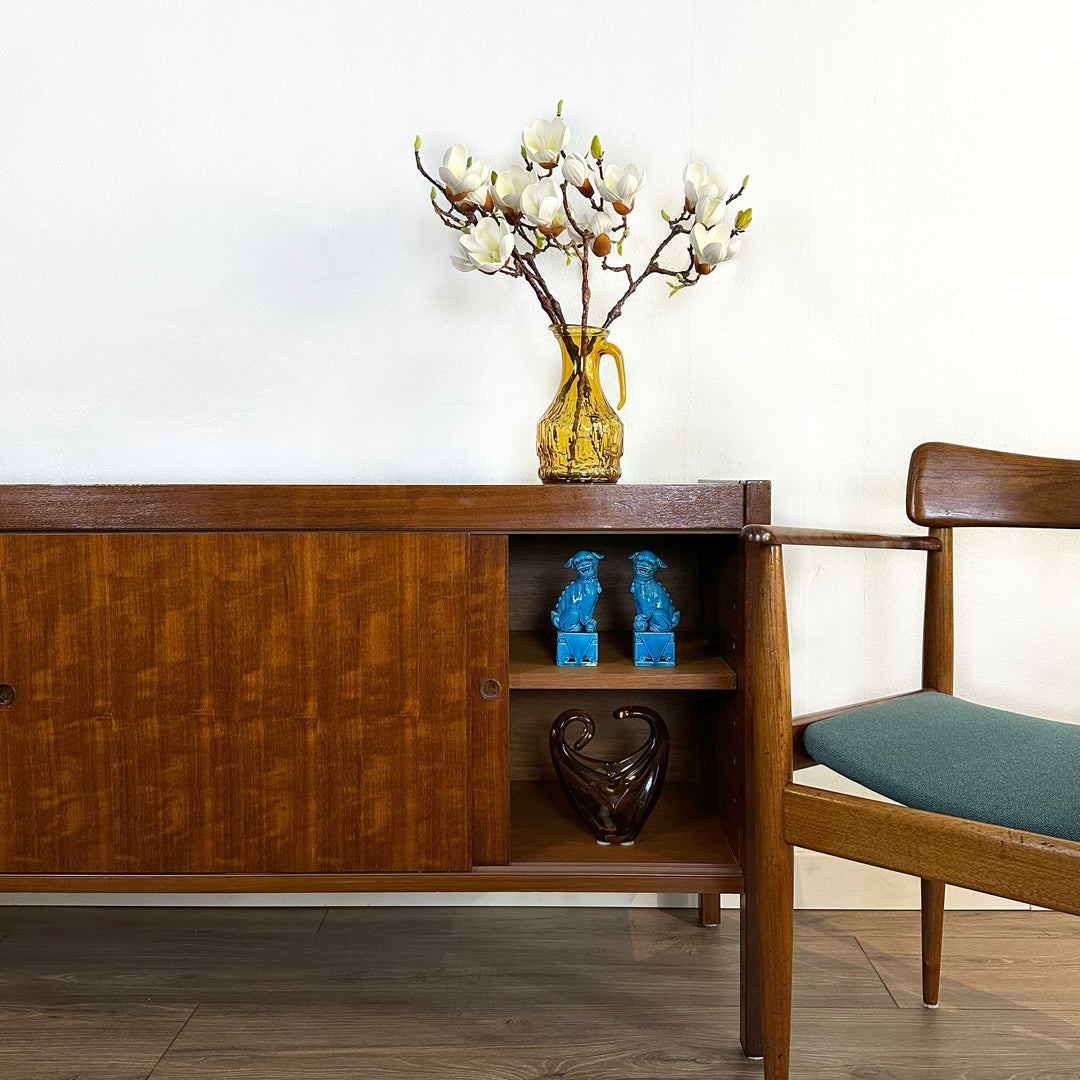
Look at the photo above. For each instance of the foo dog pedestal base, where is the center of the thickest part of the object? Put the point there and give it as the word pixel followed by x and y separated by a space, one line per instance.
pixel 654 649
pixel 576 649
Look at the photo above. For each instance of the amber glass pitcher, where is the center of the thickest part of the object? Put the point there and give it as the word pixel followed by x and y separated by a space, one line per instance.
pixel 580 437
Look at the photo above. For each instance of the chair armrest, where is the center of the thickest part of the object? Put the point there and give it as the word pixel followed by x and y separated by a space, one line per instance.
pixel 778 535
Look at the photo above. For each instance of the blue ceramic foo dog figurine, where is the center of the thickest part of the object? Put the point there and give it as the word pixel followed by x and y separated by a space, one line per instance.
pixel 573 615
pixel 656 617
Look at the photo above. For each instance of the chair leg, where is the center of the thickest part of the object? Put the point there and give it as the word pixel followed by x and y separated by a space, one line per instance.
pixel 933 921
pixel 775 903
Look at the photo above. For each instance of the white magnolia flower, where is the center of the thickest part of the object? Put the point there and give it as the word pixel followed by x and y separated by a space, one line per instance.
pixel 480 197
pixel 507 189
pixel 698 177
pixel 541 205
pixel 712 246
pixel 710 207
pixel 618 186
pixel 485 246
pixel 576 170
pixel 463 181
pixel 596 221
pixel 545 140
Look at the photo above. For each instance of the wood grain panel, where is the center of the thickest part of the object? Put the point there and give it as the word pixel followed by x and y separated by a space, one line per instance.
pixel 215 703
pixel 545 830
pixel 370 508
pixel 489 716
pixel 698 665
pixel 989 858
pixel 962 485
pixel 1012 970
pixel 641 1039
pixel 938 651
pixel 737 581
pixel 778 535
pixel 89 1042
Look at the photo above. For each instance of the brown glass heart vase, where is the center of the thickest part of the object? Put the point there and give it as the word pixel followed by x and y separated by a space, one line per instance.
pixel 613 798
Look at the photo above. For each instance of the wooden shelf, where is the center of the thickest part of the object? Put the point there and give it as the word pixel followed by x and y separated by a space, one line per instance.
pixel 697 666
pixel 680 835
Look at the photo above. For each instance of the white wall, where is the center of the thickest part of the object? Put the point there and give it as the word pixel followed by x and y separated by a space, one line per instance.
pixel 217 263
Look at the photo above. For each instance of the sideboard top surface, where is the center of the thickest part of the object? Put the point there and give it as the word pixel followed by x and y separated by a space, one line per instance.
pixel 372 508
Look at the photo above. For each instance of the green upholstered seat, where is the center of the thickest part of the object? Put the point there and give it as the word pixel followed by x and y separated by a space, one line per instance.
pixel 937 752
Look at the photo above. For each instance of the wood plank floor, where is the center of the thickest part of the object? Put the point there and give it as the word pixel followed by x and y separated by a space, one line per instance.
pixel 518 994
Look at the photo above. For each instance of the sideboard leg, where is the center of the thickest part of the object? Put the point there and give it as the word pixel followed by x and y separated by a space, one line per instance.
pixel 708 909
pixel 750 1033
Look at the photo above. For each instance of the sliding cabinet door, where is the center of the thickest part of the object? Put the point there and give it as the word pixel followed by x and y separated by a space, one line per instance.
pixel 234 702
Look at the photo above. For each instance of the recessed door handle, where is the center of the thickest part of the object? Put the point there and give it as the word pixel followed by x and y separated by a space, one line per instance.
pixel 7 694
pixel 490 689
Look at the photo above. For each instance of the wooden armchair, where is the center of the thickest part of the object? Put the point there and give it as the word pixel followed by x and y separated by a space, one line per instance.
pixel 990 799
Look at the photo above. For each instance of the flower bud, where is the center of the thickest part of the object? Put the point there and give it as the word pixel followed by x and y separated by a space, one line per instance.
pixel 601 246
pixel 575 170
pixel 595 148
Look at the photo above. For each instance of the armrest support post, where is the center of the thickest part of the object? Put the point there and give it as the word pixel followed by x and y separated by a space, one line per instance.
pixel 938 616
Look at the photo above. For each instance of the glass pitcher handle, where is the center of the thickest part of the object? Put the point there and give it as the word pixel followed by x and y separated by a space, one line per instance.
pixel 607 349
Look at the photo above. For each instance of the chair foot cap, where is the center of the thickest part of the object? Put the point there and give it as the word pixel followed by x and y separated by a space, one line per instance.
pixel 927 1005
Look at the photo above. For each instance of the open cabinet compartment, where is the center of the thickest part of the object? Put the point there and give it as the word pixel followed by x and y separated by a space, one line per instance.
pixel 685 832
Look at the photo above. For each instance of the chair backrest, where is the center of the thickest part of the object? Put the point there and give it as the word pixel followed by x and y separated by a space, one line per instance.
pixel 961 485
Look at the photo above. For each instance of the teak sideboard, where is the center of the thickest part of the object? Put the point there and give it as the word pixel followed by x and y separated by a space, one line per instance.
pixel 274 688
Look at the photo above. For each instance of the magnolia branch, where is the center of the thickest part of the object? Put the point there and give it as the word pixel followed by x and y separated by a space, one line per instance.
pixel 653 267
pixel 585 238
pixel 527 265
pixel 475 207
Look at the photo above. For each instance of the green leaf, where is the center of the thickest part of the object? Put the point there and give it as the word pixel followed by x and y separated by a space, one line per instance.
pixel 618 246
pixel 567 260
pixel 558 108
pixel 746 180
pixel 664 214
pixel 432 194
pixel 416 145
pixel 468 164
pixel 524 153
